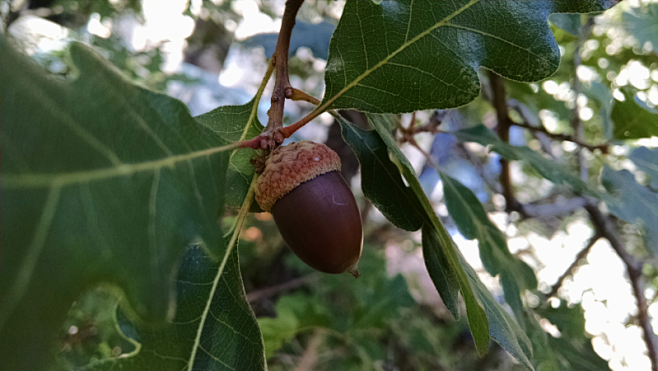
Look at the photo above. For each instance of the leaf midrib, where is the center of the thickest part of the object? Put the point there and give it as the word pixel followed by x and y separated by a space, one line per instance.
pixel 384 61
pixel 220 271
pixel 44 180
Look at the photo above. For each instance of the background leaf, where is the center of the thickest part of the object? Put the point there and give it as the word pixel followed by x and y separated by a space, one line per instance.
pixel 403 56
pixel 316 37
pixel 634 203
pixel 631 120
pixel 647 160
pixel 549 169
pixel 603 95
pixel 642 24
pixel 103 182
pixel 573 349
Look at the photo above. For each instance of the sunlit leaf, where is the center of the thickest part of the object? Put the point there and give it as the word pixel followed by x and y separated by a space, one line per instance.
pixel 403 56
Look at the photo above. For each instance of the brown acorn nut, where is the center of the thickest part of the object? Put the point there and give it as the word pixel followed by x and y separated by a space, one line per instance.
pixel 313 206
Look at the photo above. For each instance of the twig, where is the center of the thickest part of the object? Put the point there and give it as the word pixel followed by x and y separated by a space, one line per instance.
pixel 569 271
pixel 310 356
pixel 494 187
pixel 603 147
pixel 432 126
pixel 300 95
pixel 290 130
pixel 577 125
pixel 428 157
pixel 634 268
pixel 540 209
pixel 499 102
pixel 412 123
pixel 539 128
pixel 272 136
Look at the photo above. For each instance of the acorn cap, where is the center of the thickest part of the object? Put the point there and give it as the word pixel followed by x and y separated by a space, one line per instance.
pixel 291 165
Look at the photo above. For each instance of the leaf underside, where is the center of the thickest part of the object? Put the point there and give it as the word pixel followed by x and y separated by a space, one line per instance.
pixel 230 338
pixel 103 182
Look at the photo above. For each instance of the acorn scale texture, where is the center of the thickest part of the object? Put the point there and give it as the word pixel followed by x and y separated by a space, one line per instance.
pixel 313 206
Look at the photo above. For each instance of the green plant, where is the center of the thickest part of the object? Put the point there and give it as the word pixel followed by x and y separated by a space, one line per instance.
pixel 104 182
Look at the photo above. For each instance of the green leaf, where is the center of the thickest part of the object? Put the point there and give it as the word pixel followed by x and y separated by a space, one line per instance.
pixel 570 23
pixel 102 182
pixel 403 56
pixel 380 178
pixel 549 169
pixel 641 23
pixel 382 185
pixel 544 356
pixel 573 349
pixel 441 272
pixel 633 121
pixel 472 221
pixel 214 327
pixel 603 95
pixel 647 161
pixel 502 326
pixel 236 123
pixel 294 313
pixel 633 203
pixel 450 272
pixel 445 259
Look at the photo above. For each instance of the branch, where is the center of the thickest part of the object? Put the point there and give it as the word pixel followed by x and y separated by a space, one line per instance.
pixel 499 102
pixel 634 268
pixel 542 209
pixel 577 125
pixel 310 356
pixel 432 126
pixel 569 271
pixel 272 137
pixel 603 147
pixel 489 181
pixel 300 95
pixel 290 130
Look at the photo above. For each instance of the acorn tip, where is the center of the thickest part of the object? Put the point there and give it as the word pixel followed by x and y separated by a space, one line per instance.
pixel 354 271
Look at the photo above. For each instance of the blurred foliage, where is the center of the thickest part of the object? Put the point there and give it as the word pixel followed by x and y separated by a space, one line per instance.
pixel 90 331
pixel 370 323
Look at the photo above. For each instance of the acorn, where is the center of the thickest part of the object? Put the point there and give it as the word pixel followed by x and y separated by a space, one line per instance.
pixel 313 206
